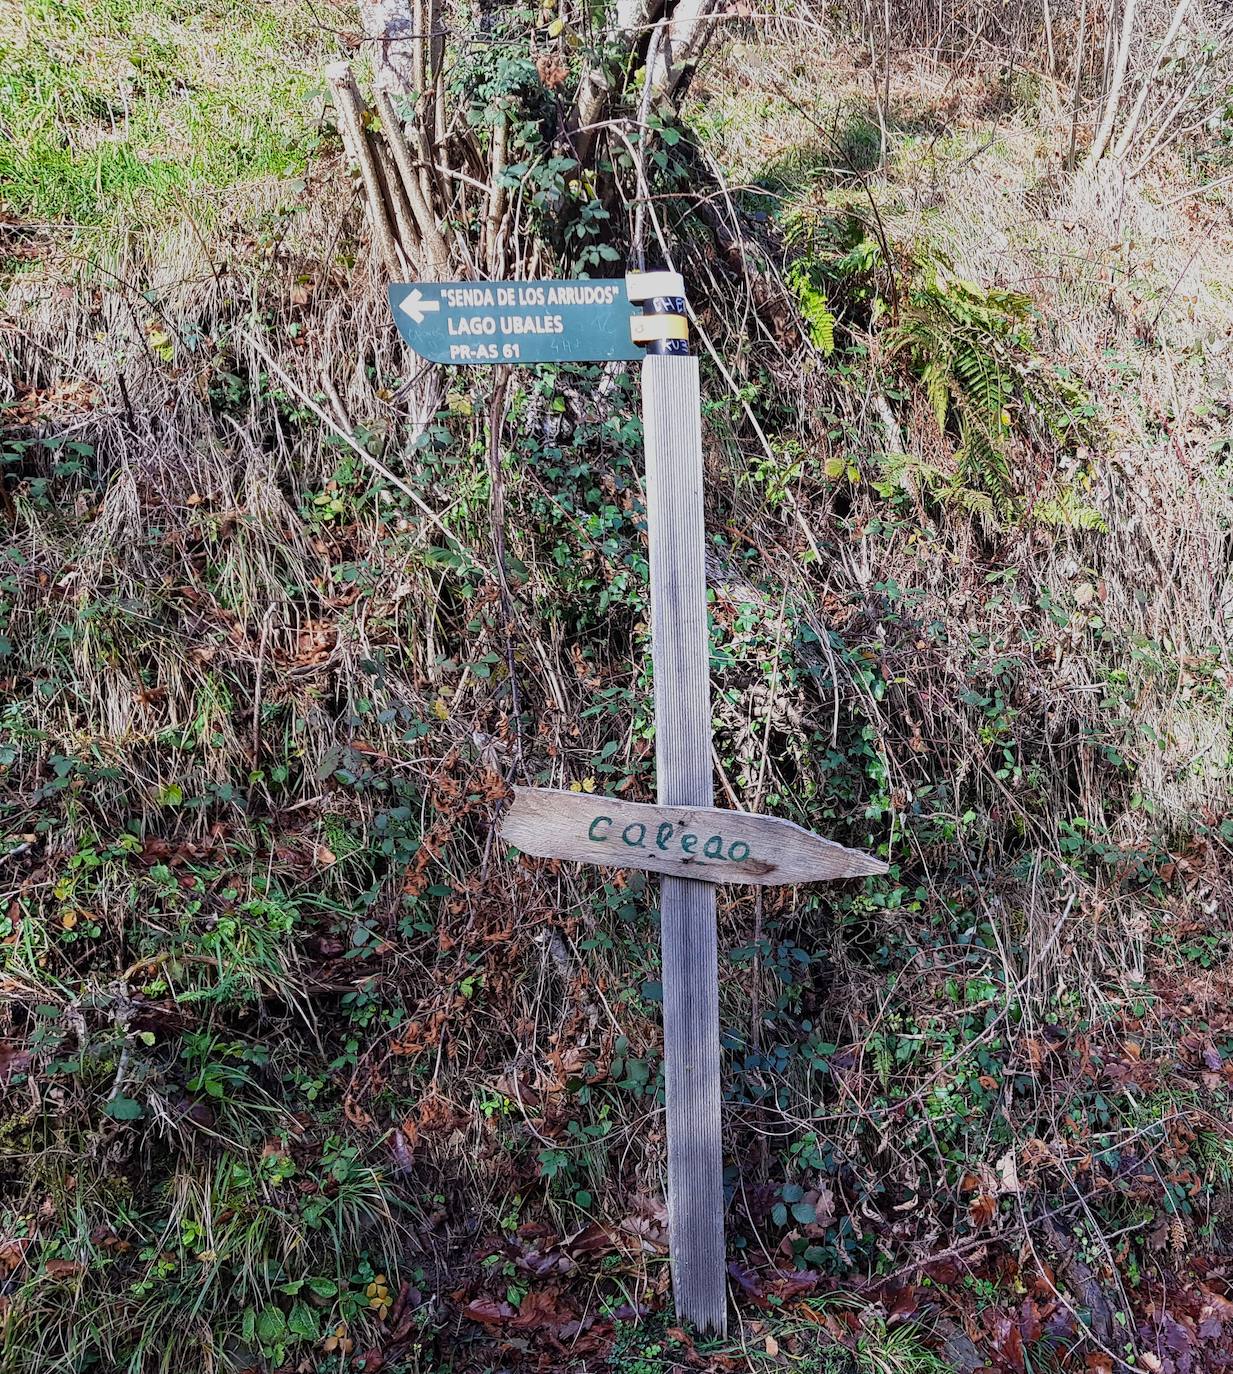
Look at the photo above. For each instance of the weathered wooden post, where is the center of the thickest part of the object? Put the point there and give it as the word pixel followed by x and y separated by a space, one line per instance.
pixel 681 655
pixel 683 837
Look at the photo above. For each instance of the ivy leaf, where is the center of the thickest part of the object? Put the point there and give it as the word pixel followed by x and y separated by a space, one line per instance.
pixel 123 1108
pixel 271 1325
pixel 637 1072
pixel 303 1322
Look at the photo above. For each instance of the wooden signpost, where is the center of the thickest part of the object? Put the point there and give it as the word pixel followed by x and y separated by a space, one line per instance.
pixel 684 837
pixel 698 842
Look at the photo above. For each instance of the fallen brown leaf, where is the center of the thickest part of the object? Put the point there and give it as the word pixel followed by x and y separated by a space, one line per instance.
pixel 62 1268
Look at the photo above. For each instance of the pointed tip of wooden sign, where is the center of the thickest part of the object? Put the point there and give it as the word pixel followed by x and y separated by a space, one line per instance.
pixel 699 842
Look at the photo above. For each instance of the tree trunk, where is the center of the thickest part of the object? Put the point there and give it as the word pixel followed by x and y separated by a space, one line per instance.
pixel 633 19
pixel 685 35
pixel 401 33
pixel 1122 147
pixel 1120 60
pixel 429 171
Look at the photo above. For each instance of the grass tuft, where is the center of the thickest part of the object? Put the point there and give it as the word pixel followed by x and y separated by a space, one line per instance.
pixel 112 108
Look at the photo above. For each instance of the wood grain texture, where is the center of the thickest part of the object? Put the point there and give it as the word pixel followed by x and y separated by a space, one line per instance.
pixel 349 106
pixel 699 842
pixel 680 649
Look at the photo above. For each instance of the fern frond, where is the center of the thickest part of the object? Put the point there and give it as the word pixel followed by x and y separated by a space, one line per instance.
pixel 981 378
pixel 1066 512
pixel 984 461
pixel 971 348
pixel 904 469
pixel 937 387
pixel 811 299
pixel 822 327
pixel 800 226
pixel 978 503
pixel 915 475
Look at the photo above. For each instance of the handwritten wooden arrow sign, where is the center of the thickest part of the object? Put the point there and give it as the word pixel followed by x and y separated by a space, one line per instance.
pixel 700 842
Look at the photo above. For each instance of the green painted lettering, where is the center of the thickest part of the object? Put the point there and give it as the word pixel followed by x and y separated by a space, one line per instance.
pixel 664 834
pixel 689 843
pixel 733 855
pixel 599 820
pixel 640 842
pixel 714 848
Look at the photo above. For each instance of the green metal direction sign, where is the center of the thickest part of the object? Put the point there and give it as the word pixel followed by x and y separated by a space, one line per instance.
pixel 516 322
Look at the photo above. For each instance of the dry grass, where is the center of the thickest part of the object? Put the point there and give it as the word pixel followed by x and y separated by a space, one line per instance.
pixel 1126 277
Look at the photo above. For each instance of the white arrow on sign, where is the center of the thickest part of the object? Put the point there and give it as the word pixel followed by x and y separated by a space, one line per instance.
pixel 417 307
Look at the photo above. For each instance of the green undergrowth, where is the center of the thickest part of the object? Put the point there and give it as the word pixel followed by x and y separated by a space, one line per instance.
pixel 285 1002
pixel 128 109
